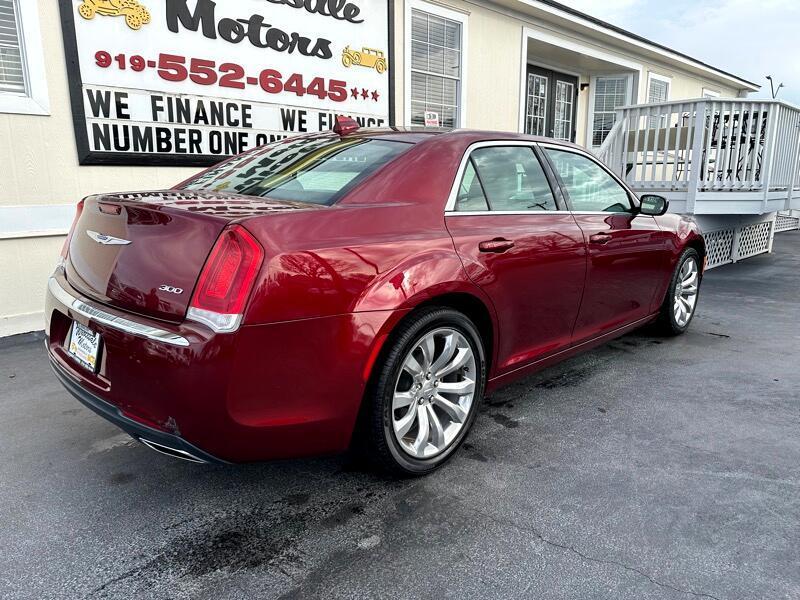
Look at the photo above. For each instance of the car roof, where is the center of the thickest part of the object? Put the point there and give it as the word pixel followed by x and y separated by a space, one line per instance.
pixel 417 135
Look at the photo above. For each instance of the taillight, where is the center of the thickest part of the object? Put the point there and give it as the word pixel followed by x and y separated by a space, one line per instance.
pixel 65 249
pixel 226 280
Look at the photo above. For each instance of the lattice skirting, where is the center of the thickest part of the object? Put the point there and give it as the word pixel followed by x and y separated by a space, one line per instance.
pixel 736 243
pixel 719 247
pixel 754 239
pixel 786 222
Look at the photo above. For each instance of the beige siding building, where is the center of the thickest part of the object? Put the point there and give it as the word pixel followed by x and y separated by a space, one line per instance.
pixel 513 65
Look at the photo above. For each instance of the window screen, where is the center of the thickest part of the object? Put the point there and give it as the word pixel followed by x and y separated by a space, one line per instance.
pixel 590 188
pixel 513 179
pixel 12 72
pixel 435 68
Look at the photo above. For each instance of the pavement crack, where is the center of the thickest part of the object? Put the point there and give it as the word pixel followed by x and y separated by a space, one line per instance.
pixel 593 559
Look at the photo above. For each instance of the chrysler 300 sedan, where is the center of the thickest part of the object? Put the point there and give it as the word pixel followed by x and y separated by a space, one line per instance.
pixel 361 286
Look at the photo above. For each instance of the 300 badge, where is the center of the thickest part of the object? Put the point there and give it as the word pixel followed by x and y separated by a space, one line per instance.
pixel 171 290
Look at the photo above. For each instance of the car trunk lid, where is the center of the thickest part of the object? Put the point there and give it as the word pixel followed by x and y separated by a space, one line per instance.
pixel 143 253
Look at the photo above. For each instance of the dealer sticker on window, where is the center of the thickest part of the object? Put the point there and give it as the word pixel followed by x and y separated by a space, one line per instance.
pixel 84 345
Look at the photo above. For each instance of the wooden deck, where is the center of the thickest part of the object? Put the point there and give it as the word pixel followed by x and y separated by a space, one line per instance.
pixel 710 156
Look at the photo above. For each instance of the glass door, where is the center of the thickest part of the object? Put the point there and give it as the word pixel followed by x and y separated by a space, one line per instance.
pixel 551 104
pixel 564 113
pixel 536 111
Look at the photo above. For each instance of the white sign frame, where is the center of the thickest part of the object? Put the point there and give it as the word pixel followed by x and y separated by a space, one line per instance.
pixel 135 116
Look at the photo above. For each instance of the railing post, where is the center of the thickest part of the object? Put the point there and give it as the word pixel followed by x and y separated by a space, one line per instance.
pixel 699 132
pixel 769 149
pixel 619 141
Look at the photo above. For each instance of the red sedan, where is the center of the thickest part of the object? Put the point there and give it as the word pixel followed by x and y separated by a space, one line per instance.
pixel 369 284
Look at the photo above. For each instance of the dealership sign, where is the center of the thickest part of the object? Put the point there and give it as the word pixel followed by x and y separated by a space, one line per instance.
pixel 189 82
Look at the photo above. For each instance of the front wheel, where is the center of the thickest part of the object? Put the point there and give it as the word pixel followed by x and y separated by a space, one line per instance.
pixel 680 304
pixel 426 391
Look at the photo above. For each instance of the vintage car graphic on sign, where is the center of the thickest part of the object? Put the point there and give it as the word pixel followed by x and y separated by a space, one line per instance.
pixel 367 57
pixel 135 14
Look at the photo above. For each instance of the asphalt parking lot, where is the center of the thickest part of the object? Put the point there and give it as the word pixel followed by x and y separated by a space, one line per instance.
pixel 649 468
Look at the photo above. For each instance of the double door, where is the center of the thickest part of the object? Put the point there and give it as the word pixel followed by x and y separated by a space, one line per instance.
pixel 551 107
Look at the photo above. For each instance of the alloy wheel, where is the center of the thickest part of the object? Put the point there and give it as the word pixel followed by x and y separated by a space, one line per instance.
pixel 434 393
pixel 686 290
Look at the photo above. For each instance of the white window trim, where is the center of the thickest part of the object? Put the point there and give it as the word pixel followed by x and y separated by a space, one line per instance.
pixel 446 13
pixel 592 87
pixel 574 46
pixel 707 93
pixel 663 78
pixel 37 101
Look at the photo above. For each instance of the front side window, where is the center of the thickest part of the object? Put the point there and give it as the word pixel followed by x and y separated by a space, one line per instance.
pixel 505 178
pixel 589 186
pixel 435 68
pixel 318 169
pixel 12 64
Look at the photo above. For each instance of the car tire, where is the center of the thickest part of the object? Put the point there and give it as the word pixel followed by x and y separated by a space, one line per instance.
pixel 684 290
pixel 447 415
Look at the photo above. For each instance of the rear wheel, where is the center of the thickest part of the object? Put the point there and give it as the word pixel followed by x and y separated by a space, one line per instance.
pixel 680 304
pixel 426 391
pixel 134 21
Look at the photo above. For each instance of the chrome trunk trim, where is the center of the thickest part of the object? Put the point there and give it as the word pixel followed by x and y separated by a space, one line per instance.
pixel 106 318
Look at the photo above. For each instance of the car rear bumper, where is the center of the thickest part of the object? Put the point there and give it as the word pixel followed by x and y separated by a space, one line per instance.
pixel 160 441
pixel 274 391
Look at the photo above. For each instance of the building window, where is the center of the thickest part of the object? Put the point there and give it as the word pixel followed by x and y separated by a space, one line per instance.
pixel 12 67
pixel 658 89
pixel 610 93
pixel 658 92
pixel 436 68
pixel 23 86
pixel 707 93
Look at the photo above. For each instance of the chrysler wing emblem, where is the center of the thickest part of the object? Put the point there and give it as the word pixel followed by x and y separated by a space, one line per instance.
pixel 107 240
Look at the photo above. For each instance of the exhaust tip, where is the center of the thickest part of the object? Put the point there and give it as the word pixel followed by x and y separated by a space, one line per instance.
pixel 173 452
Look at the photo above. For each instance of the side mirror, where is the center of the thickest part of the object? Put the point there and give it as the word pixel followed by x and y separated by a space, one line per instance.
pixel 653 205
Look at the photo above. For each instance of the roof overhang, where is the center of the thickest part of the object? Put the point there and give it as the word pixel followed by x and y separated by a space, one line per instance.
pixel 556 13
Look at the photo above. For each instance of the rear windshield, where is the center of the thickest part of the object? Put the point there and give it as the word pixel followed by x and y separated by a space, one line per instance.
pixel 318 169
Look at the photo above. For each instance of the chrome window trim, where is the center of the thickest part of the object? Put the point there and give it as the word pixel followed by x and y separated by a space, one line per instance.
pixel 500 213
pixel 475 213
pixel 121 323
pixel 450 207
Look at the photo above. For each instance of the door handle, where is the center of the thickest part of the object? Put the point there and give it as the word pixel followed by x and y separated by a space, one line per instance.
pixel 496 246
pixel 601 238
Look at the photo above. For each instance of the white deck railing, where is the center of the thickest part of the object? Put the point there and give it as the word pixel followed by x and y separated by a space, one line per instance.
pixel 718 156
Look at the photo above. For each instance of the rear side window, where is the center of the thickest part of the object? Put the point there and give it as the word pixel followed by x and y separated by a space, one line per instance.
pixel 470 192
pixel 512 179
pixel 589 186
pixel 319 169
